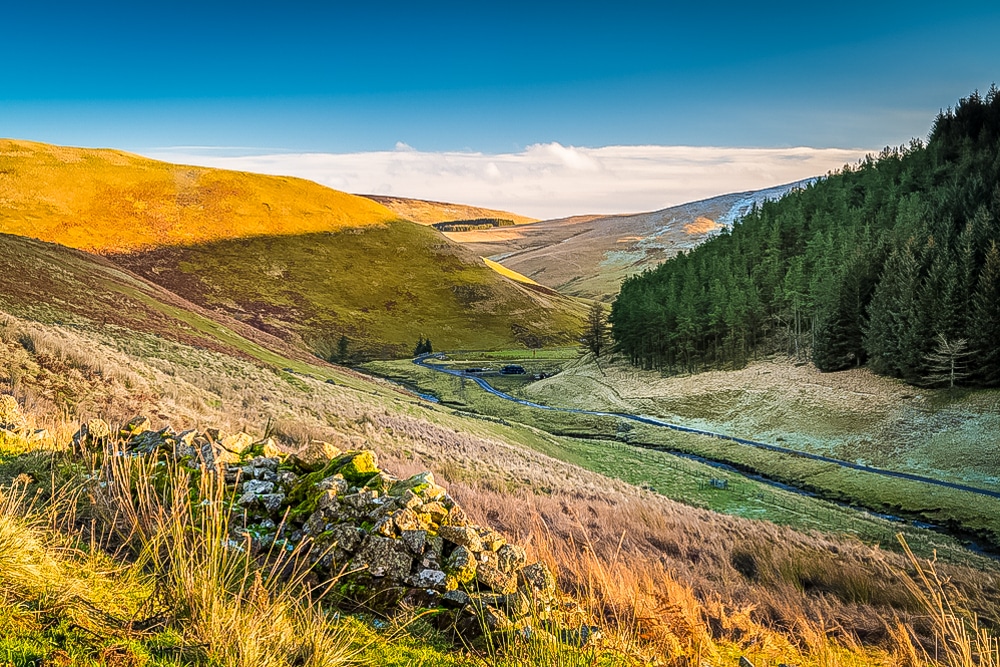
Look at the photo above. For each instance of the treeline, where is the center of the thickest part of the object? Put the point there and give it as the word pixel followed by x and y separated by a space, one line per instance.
pixel 892 262
pixel 473 224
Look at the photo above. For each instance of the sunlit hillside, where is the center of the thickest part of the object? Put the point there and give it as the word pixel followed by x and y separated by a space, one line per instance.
pixel 332 273
pixel 430 212
pixel 111 201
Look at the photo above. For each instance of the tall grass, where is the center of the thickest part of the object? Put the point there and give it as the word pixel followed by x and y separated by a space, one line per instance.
pixel 231 608
pixel 960 640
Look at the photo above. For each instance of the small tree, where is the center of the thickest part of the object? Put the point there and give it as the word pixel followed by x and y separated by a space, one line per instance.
pixel 947 362
pixel 595 335
pixel 423 347
pixel 342 348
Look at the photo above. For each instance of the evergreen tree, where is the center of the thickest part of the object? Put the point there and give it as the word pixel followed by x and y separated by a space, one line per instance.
pixel 984 324
pixel 948 362
pixel 596 333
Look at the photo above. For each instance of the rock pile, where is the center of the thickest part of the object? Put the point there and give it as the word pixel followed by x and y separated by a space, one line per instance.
pixel 374 539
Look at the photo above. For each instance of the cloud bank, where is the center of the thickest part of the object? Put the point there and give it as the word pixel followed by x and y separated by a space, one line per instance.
pixel 544 180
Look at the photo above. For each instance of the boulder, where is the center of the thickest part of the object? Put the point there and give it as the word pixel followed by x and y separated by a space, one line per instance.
pixel 463 536
pixel 358 467
pixel 315 456
pixel 511 558
pixel 383 557
pixel 93 433
pixel 461 565
pixel 134 427
pixel 536 578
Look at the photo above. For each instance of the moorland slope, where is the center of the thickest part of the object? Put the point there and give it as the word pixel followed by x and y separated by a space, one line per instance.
pixel 665 582
pixel 325 270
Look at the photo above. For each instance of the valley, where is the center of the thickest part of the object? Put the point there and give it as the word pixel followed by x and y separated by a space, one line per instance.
pixel 725 513
pixel 964 504
pixel 588 256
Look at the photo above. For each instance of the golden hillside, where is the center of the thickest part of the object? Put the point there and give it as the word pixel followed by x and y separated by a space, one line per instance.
pixel 111 201
pixel 430 212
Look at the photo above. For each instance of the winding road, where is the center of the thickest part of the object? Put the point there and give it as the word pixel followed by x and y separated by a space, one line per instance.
pixel 422 361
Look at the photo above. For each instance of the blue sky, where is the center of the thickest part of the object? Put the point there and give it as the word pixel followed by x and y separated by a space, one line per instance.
pixel 266 77
pixel 488 76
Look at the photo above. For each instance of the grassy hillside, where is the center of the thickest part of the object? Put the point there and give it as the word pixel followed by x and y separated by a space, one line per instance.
pixel 111 201
pixel 285 255
pixel 380 286
pixel 431 212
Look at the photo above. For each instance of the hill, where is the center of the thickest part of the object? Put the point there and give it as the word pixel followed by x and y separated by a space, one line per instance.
pixel 109 201
pixel 381 287
pixel 432 212
pixel 589 256
pixel 285 255
pixel 894 262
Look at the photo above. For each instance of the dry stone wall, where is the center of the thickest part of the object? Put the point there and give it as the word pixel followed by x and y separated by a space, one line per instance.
pixel 374 540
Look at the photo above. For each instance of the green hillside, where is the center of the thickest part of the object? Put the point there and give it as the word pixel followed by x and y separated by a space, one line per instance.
pixel 381 287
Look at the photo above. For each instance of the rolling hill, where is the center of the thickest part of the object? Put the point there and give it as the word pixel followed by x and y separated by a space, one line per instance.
pixel 382 287
pixel 589 256
pixel 285 255
pixel 432 212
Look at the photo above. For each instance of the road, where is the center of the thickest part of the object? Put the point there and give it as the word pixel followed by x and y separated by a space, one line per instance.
pixel 422 361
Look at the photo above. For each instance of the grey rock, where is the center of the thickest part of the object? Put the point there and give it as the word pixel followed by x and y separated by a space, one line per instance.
pixel 463 536
pixel 415 540
pixel 538 579
pixel 427 578
pixel 272 502
pixel 258 487
pixel 383 557
pixel 511 558
pixel 461 564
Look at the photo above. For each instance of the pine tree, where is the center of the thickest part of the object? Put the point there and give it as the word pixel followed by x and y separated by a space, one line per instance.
pixel 984 323
pixel 947 364
pixel 596 333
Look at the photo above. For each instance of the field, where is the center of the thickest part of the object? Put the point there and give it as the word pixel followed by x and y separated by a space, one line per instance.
pixel 628 451
pixel 852 415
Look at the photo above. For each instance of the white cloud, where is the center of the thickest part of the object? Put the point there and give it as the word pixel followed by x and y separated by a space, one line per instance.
pixel 544 180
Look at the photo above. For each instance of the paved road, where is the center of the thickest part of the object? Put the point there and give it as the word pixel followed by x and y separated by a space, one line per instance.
pixel 423 362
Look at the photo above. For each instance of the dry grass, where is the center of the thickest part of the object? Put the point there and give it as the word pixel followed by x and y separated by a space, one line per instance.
pixel 208 586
